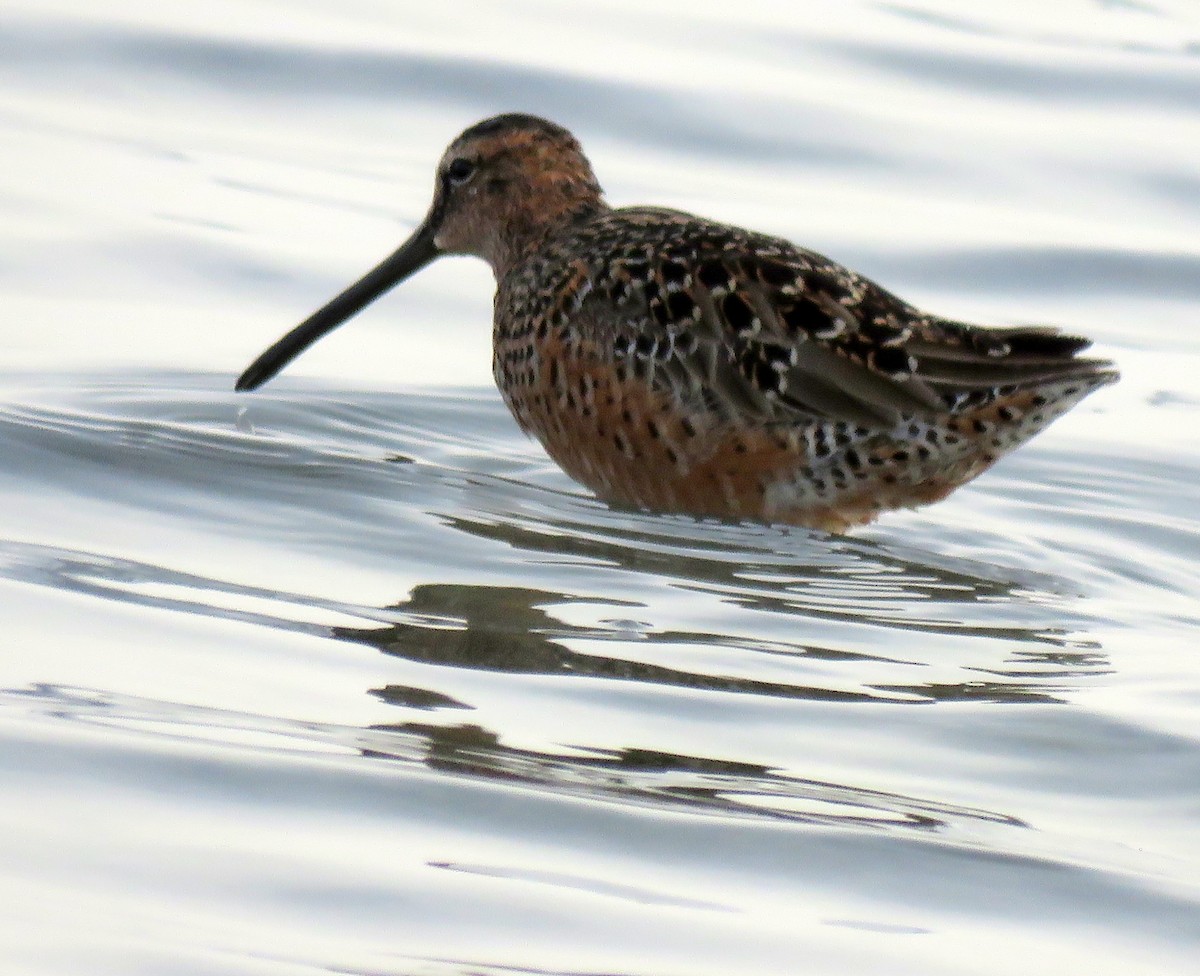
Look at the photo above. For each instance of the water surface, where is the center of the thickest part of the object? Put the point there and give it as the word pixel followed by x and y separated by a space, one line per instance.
pixel 346 677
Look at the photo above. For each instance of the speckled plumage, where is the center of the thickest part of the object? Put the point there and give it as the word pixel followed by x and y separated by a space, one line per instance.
pixel 672 363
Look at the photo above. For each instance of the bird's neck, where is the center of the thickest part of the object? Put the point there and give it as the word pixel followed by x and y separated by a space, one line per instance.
pixel 529 224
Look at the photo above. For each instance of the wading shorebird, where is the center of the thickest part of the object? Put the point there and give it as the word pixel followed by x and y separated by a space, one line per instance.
pixel 676 364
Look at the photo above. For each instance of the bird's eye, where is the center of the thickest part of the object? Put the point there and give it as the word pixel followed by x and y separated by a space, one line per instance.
pixel 460 170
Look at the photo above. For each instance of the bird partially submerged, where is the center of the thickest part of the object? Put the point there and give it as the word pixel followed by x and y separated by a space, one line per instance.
pixel 677 364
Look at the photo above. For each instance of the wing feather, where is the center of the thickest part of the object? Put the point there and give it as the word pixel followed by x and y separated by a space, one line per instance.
pixel 755 327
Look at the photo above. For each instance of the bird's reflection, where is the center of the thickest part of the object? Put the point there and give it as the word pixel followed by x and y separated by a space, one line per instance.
pixel 525 630
pixel 699 784
pixel 503 628
pixel 516 630
pixel 831 578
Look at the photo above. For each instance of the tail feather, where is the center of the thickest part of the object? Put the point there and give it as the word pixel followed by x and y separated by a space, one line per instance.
pixel 954 356
pixel 964 375
pixel 1041 341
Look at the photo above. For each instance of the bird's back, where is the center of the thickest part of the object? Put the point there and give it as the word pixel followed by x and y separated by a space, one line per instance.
pixel 673 363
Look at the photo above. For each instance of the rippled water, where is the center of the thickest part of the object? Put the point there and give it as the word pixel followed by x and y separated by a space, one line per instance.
pixel 346 677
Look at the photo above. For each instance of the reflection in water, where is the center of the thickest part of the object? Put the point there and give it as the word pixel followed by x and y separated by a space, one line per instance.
pixel 839 579
pixel 500 628
pixel 710 785
pixel 696 784
pixel 515 630
pixel 510 629
pixel 782 603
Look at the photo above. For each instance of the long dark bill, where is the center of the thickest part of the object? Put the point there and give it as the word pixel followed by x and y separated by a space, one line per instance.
pixel 409 258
